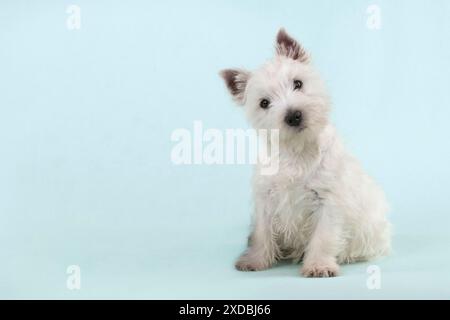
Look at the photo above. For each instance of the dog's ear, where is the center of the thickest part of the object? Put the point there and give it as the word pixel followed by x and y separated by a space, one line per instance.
pixel 236 81
pixel 289 47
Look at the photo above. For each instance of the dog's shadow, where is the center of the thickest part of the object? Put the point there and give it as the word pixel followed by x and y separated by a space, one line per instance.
pixel 290 269
pixel 283 268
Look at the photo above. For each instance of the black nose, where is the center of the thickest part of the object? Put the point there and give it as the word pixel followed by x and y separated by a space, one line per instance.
pixel 293 118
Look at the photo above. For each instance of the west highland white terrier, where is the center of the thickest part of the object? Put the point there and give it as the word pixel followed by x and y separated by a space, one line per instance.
pixel 320 208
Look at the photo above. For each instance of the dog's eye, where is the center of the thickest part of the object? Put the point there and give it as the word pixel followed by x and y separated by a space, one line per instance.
pixel 264 103
pixel 298 84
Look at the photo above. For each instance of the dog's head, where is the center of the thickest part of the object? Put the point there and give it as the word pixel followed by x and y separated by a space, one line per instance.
pixel 286 93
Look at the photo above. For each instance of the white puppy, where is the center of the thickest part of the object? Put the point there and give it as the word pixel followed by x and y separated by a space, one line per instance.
pixel 320 207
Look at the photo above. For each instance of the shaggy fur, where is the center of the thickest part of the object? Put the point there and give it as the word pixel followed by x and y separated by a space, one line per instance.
pixel 321 207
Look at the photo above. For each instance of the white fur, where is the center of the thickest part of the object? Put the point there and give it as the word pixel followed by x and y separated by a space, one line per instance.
pixel 320 207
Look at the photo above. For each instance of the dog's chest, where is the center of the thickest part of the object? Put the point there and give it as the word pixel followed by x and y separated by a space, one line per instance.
pixel 293 202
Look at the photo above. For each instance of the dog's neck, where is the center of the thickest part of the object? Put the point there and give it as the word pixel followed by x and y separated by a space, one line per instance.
pixel 308 151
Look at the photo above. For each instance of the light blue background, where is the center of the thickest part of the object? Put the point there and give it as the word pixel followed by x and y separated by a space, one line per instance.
pixel 85 124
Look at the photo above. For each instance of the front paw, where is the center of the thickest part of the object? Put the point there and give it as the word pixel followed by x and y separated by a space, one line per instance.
pixel 320 270
pixel 250 263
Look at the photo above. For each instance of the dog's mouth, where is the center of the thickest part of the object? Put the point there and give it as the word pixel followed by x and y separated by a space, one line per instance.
pixel 297 129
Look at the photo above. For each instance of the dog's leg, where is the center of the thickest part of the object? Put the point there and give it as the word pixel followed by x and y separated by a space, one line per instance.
pixel 321 251
pixel 262 249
